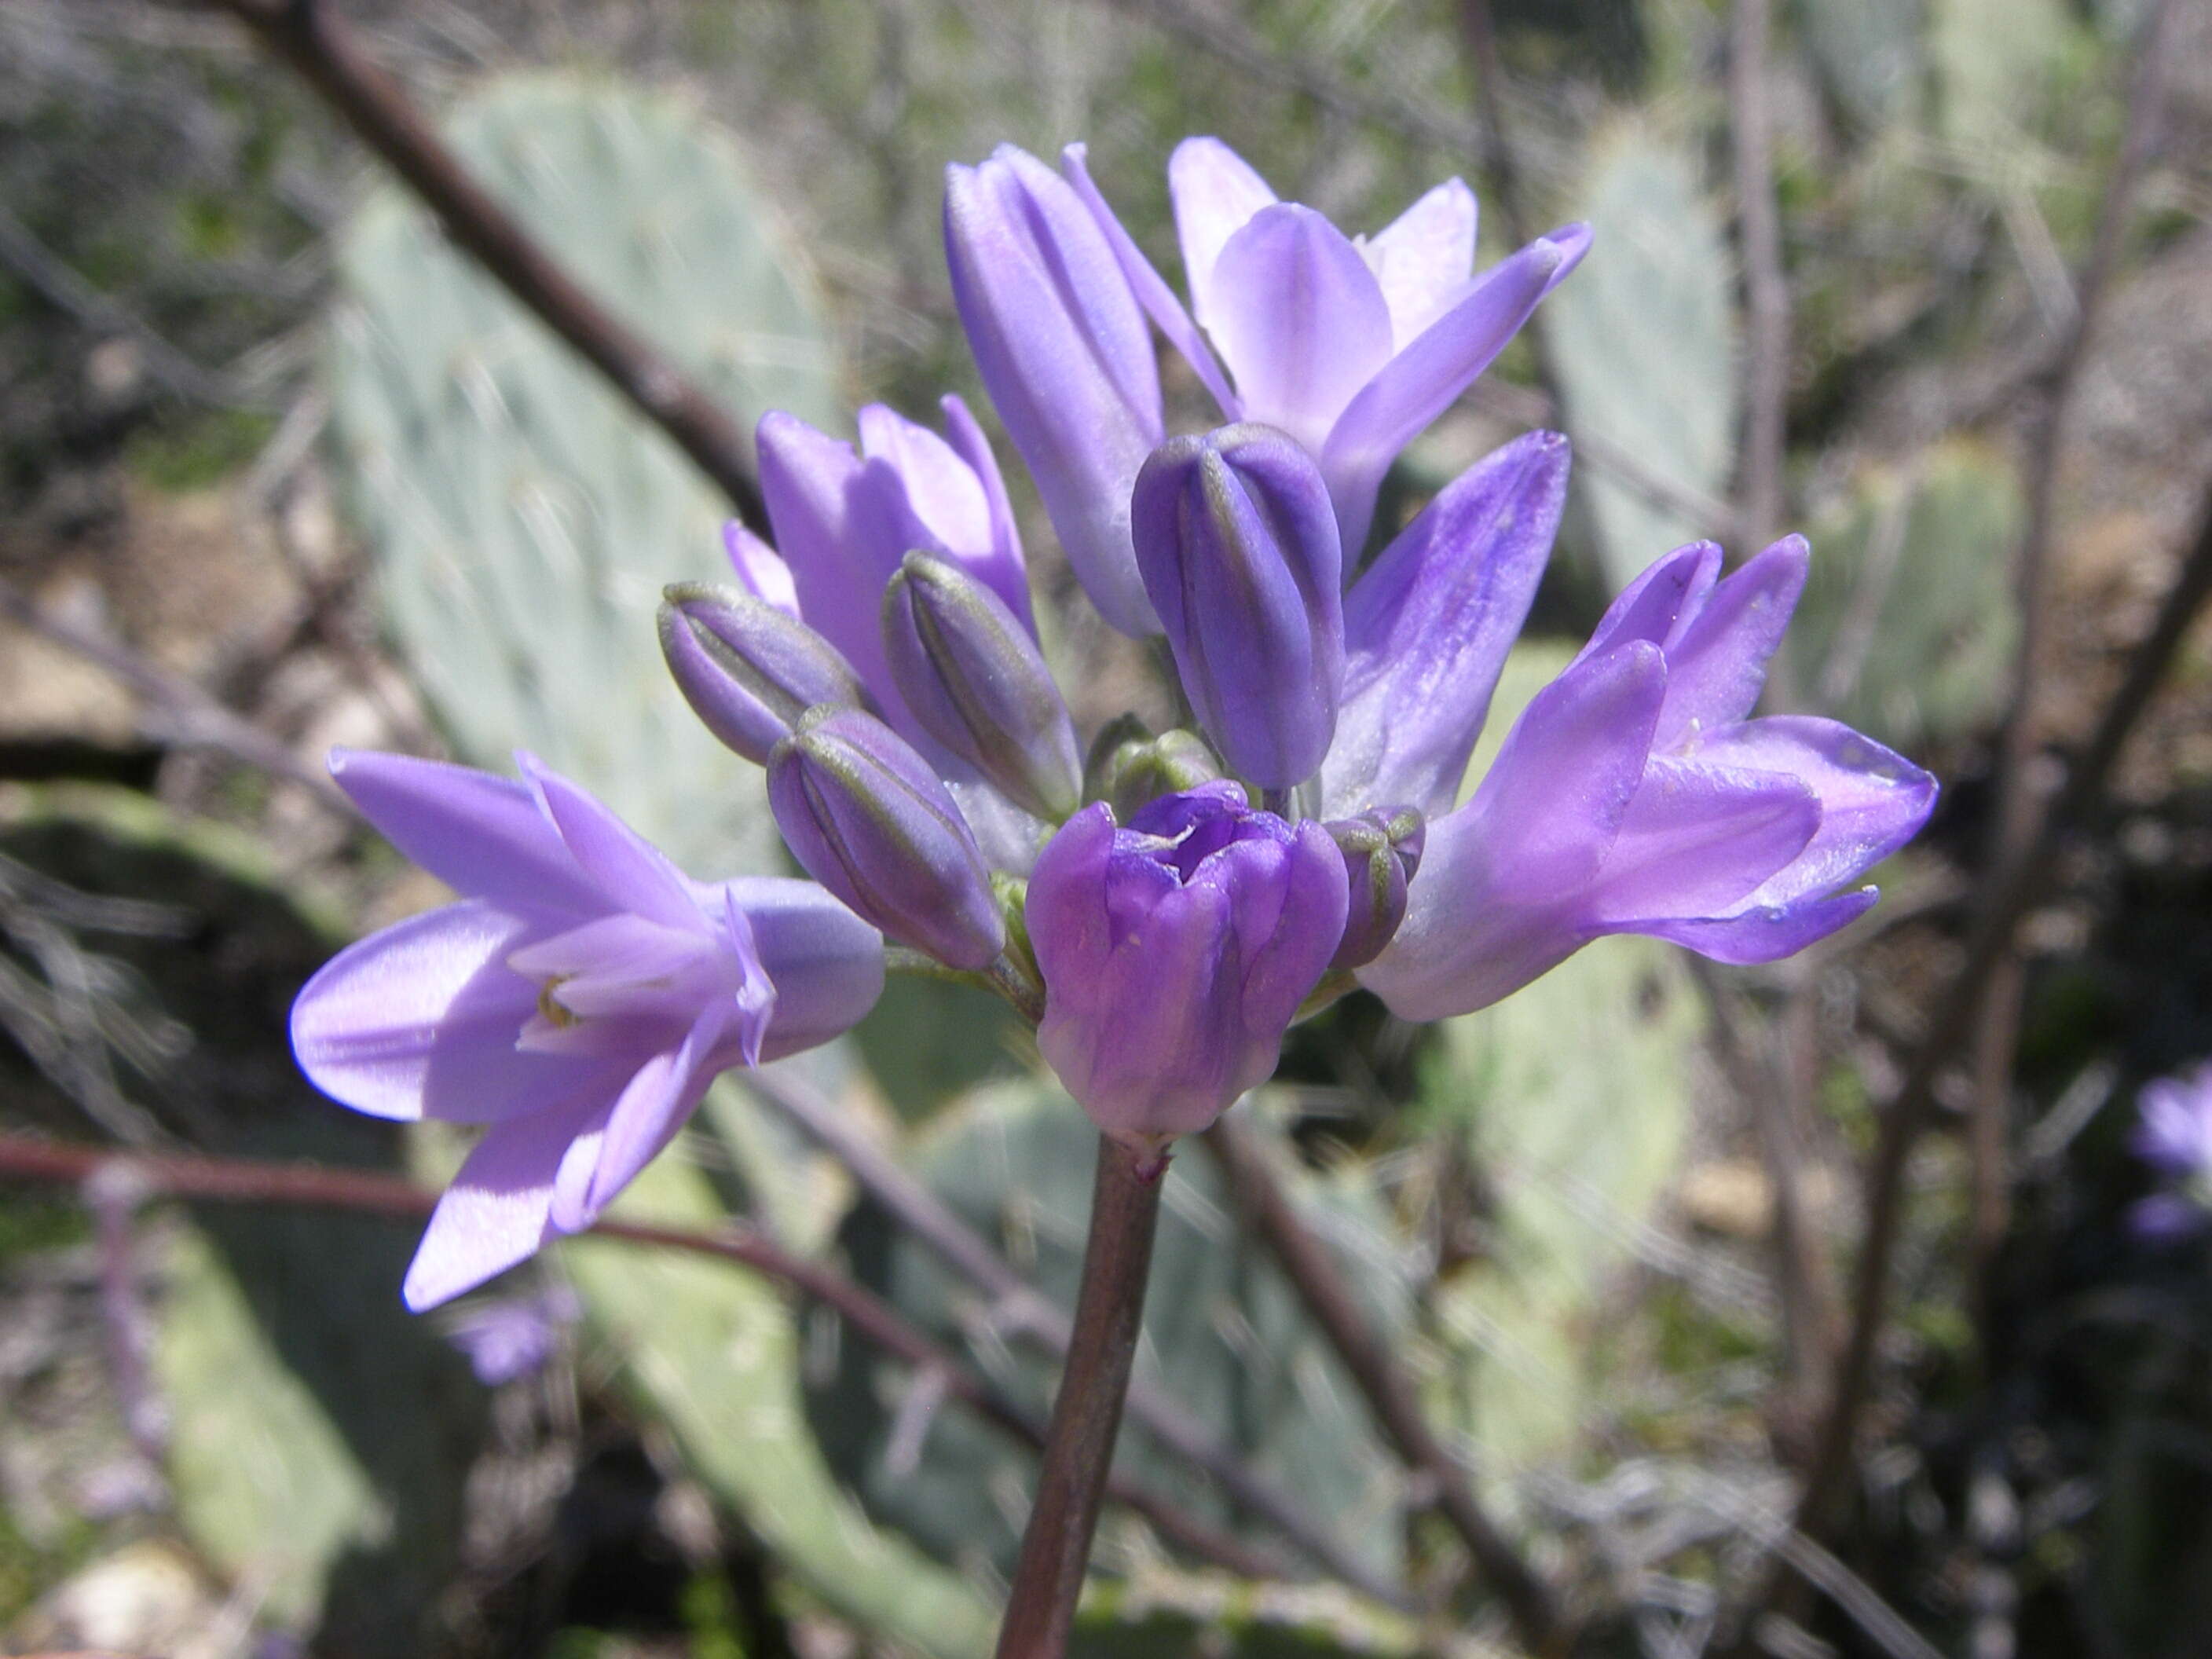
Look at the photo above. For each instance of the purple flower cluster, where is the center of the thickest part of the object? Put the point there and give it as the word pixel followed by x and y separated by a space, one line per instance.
pixel 881 660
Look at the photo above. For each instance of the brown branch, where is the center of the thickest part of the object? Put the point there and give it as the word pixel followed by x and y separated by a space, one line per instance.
pixel 1997 1036
pixel 1023 1313
pixel 2011 888
pixel 308 35
pixel 302 1186
pixel 1320 1286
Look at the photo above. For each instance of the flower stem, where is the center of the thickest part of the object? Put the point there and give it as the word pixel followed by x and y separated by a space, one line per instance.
pixel 1125 1213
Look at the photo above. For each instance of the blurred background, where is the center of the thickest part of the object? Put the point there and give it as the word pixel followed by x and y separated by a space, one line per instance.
pixel 280 468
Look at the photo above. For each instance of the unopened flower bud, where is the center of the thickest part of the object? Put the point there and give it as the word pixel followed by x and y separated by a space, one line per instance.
pixel 1237 543
pixel 971 674
pixel 749 670
pixel 1381 850
pixel 867 818
pixel 1129 768
pixel 1175 951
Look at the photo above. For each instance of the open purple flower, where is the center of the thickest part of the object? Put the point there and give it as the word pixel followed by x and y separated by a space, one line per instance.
pixel 1176 952
pixel 1351 344
pixel 1636 795
pixel 578 1000
pixel 2174 1137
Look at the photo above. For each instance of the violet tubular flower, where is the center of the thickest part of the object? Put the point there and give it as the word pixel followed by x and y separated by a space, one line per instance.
pixel 1175 951
pixel 1351 344
pixel 1636 795
pixel 2173 1135
pixel 577 1001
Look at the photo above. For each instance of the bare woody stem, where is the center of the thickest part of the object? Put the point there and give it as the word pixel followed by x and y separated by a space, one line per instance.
pixel 311 38
pixel 1306 1261
pixel 1079 1449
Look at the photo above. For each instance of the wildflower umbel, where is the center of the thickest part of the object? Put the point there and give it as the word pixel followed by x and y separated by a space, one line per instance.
pixel 1167 908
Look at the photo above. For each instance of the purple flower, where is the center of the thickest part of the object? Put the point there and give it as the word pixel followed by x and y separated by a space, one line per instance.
pixel 2173 1135
pixel 1352 346
pixel 1239 553
pixel 578 1000
pixel 844 521
pixel 1062 346
pixel 1176 952
pixel 1634 795
pixel 506 1338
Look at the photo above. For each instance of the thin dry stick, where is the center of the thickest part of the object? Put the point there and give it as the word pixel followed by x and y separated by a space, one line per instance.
pixel 1810 1317
pixel 316 42
pixel 302 1186
pixel 1086 1415
pixel 1019 1310
pixel 1998 1034
pixel 2012 886
pixel 1307 1263
pixel 178 710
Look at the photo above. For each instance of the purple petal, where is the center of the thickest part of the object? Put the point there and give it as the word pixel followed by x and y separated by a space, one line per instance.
pixel 1065 909
pixel 1563 781
pixel 2166 1218
pixel 821 961
pixel 1504 891
pixel 1424 258
pixel 2175 1131
pixel 760 569
pixel 652 1108
pixel 1872 801
pixel 1469 937
pixel 1153 292
pixel 1716 666
pixel 1427 629
pixel 1299 318
pixel 1284 963
pixel 841 540
pixel 941 488
pixel 420 1021
pixel 494 1213
pixel 1698 839
pixel 630 873
pixel 1216 194
pixel 1662 602
pixel 752 1005
pixel 1006 572
pixel 1424 377
pixel 1764 933
pixel 481 835
pixel 1061 344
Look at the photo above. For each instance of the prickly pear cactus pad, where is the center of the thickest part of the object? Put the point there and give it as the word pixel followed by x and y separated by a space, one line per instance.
pixel 522 516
